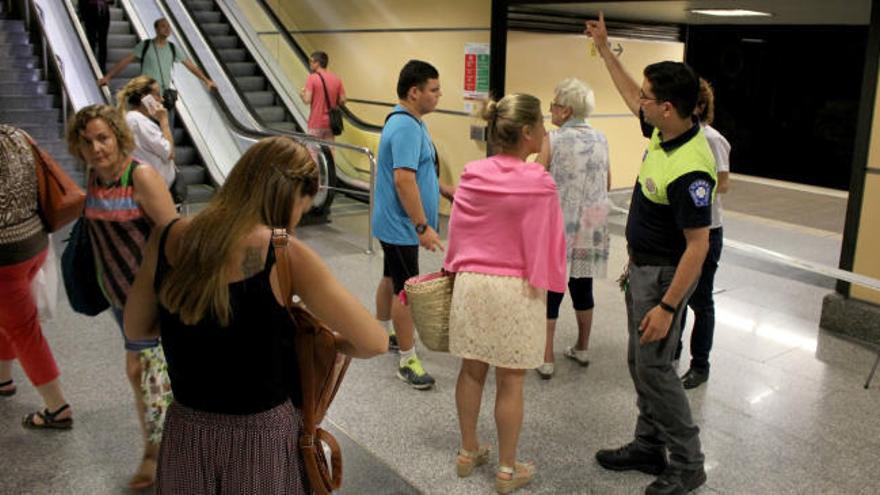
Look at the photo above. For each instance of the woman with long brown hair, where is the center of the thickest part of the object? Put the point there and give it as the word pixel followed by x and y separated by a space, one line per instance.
pixel 211 284
pixel 124 201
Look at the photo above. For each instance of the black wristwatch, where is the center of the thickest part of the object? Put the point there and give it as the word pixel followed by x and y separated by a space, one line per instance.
pixel 421 228
pixel 666 307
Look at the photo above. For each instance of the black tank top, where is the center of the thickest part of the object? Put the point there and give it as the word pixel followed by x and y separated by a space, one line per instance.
pixel 246 367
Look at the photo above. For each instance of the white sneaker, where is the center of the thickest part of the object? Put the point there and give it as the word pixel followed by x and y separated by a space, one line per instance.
pixel 546 370
pixel 577 355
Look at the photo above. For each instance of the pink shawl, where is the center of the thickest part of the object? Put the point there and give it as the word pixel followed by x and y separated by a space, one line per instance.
pixel 506 221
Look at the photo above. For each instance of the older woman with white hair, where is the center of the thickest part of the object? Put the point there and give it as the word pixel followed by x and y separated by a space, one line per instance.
pixel 576 155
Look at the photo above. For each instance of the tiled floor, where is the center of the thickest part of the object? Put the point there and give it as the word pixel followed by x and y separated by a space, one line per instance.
pixel 783 412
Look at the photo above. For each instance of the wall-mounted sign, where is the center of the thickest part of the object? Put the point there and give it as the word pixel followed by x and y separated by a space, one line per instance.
pixel 476 70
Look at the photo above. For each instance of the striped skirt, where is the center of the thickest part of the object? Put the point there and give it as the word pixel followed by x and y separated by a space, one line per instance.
pixel 211 453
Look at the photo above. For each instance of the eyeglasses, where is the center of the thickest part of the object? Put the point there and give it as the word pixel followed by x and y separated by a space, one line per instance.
pixel 553 105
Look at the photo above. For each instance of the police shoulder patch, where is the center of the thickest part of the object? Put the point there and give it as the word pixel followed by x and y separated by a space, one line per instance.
pixel 701 193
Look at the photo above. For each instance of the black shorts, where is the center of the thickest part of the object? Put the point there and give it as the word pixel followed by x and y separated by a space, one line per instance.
pixel 401 263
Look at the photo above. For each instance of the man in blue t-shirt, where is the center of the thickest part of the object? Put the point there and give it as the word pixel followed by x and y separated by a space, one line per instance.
pixel 405 214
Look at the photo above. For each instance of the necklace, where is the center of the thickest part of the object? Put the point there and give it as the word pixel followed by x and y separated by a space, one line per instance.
pixel 117 176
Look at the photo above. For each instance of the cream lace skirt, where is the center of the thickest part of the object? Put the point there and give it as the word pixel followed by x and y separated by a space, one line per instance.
pixel 498 320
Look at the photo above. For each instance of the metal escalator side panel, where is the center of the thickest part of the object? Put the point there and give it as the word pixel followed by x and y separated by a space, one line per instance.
pixel 78 76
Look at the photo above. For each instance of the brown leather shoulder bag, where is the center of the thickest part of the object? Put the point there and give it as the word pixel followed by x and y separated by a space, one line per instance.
pixel 321 369
pixel 61 200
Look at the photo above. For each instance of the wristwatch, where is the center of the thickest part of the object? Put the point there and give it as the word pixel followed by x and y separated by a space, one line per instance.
pixel 666 307
pixel 421 228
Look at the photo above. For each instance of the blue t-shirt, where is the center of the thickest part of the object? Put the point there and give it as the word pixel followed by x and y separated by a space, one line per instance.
pixel 405 143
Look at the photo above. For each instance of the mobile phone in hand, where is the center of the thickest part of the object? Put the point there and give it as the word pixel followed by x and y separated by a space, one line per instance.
pixel 152 105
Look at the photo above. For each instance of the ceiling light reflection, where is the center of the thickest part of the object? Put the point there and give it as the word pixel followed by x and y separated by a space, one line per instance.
pixel 731 12
pixel 763 395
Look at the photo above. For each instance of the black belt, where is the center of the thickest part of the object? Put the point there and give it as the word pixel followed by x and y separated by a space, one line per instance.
pixel 646 259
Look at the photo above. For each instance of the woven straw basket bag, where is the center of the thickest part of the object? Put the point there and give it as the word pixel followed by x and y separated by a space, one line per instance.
pixel 429 297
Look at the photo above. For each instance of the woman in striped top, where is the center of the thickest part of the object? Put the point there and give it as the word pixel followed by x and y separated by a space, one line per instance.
pixel 124 201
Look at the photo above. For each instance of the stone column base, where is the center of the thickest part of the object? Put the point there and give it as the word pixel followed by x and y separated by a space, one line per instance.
pixel 850 317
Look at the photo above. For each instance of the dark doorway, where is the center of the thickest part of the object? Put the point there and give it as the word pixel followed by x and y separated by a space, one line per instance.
pixel 787 97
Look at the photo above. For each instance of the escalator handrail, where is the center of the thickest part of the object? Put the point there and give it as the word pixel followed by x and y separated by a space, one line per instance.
pixel 87 49
pixel 304 58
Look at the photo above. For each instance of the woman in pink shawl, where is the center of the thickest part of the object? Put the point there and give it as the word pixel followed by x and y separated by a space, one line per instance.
pixel 507 248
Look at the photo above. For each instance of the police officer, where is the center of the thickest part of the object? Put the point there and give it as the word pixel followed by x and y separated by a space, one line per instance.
pixel 667 233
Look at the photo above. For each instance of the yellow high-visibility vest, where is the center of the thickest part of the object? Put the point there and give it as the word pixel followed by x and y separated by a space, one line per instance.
pixel 660 168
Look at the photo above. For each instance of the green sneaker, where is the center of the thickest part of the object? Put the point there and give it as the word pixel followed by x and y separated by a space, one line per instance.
pixel 415 375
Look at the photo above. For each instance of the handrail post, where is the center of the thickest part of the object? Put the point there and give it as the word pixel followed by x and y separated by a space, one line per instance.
pixel 64 104
pixel 370 204
pixel 45 55
pixel 27 15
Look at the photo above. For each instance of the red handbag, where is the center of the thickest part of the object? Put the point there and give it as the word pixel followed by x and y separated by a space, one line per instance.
pixel 61 199
pixel 321 369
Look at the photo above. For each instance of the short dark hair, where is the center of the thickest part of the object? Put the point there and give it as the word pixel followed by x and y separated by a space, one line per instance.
pixel 676 83
pixel 321 58
pixel 415 73
pixel 157 21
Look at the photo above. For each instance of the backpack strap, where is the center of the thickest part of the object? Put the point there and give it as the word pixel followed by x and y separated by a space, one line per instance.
pixel 146 47
pixel 436 155
pixel 147 43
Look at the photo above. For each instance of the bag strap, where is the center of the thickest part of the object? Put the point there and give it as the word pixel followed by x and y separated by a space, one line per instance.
pixel 159 61
pixel 326 96
pixel 280 239
pixel 311 436
pixel 322 482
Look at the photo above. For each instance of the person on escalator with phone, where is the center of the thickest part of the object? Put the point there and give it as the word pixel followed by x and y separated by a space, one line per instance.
pixel 140 101
pixel 325 94
pixel 157 57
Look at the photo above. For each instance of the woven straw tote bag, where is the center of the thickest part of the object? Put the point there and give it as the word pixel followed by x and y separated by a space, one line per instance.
pixel 429 297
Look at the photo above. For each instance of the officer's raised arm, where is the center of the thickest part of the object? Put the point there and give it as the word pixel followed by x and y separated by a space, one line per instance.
pixel 625 84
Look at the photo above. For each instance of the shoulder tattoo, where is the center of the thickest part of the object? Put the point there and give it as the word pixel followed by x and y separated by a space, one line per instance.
pixel 252 263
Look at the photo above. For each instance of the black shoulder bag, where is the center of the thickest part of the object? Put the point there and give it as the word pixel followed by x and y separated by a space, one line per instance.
pixel 334 113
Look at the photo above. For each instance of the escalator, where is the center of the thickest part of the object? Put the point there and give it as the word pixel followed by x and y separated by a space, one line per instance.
pixel 121 40
pixel 218 121
pixel 260 100
pixel 273 106
pixel 303 57
pixel 241 67
pixel 29 99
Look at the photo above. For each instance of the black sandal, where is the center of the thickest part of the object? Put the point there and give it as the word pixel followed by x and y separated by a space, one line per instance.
pixel 7 393
pixel 48 420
